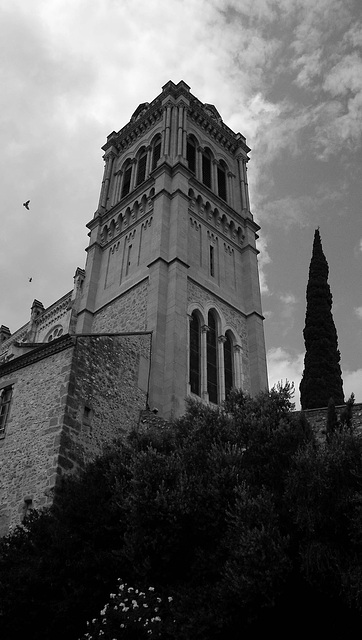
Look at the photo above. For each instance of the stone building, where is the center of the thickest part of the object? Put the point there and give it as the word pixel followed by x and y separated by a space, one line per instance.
pixel 168 305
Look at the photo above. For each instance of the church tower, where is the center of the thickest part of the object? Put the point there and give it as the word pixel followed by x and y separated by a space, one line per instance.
pixel 173 251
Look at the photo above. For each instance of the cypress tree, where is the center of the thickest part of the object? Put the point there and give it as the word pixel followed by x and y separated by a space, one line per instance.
pixel 322 378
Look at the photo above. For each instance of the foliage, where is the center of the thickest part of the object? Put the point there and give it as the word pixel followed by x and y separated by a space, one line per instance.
pixel 322 378
pixel 235 516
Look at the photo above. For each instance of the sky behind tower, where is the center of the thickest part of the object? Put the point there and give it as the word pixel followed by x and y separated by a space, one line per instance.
pixel 287 74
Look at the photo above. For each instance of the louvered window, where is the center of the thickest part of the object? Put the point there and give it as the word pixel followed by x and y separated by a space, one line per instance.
pixel 126 181
pixel 141 169
pixel 191 155
pixel 156 155
pixel 206 170
pixel 221 182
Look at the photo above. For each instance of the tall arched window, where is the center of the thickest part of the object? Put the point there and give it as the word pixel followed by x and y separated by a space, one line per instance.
pixel 156 152
pixel 211 358
pixel 228 364
pixel 141 167
pixel 221 180
pixel 206 168
pixel 195 354
pixel 191 154
pixel 126 182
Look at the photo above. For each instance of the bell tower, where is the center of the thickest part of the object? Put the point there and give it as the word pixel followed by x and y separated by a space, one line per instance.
pixel 173 250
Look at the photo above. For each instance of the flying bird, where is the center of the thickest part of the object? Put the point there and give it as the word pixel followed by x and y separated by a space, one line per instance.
pixel 26 204
pixel 30 279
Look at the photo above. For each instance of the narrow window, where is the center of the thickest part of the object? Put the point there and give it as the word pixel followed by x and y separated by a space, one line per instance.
pixel 5 399
pixel 128 264
pixel 191 155
pixel 156 155
pixel 221 182
pixel 126 185
pixel 141 169
pixel 195 355
pixel 228 364
pixel 206 169
pixel 211 356
pixel 212 261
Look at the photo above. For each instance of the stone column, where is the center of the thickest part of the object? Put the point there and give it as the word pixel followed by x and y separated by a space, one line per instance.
pixel 167 131
pixel 106 180
pixel 230 190
pixel 241 163
pixel 148 161
pixel 214 183
pixel 199 163
pixel 134 174
pixel 117 183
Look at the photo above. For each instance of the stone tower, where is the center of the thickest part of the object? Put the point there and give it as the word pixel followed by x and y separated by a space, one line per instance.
pixel 173 251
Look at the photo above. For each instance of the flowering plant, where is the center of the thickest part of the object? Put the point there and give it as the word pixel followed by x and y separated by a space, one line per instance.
pixel 130 613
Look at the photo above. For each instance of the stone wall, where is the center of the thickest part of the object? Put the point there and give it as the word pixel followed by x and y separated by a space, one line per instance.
pixel 128 312
pixel 28 451
pixel 70 397
pixel 107 389
pixel 318 418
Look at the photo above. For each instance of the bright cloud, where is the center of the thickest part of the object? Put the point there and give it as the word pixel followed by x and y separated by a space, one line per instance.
pixel 352 383
pixel 263 260
pixel 284 366
pixel 358 312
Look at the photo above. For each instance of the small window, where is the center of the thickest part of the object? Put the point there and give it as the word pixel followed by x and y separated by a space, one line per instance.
pixel 5 400
pixel 212 261
pixel 126 185
pixel 141 169
pixel 128 264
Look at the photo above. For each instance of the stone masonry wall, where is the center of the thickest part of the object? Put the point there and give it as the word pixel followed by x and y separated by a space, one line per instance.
pixel 126 313
pixel 65 407
pixel 107 390
pixel 318 418
pixel 28 452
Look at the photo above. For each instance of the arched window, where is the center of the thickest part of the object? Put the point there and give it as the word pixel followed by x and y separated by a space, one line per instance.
pixel 141 167
pixel 127 175
pixel 195 354
pixel 211 358
pixel 191 154
pixel 156 152
pixel 228 363
pixel 206 168
pixel 221 180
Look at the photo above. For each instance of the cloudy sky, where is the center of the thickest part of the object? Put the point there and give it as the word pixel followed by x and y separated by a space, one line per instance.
pixel 285 73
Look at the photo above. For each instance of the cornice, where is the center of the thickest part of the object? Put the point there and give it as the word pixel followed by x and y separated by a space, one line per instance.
pixel 135 128
pixel 38 353
pixel 216 128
